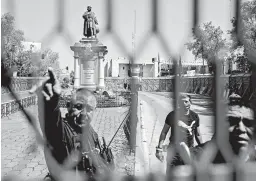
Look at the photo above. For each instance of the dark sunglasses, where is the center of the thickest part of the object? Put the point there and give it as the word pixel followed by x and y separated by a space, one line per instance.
pixel 77 106
pixel 235 121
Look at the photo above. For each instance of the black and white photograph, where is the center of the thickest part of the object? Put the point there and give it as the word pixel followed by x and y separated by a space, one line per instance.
pixel 102 90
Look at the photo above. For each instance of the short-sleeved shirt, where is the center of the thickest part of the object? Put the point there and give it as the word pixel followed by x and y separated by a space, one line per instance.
pixel 192 117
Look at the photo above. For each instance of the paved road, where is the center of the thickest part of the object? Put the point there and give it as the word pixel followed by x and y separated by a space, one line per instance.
pixel 154 110
pixel 22 156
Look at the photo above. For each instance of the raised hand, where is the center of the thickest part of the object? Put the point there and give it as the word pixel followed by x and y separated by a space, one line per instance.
pixel 48 89
pixel 48 94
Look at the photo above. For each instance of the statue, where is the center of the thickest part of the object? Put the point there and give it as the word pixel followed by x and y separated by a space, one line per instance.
pixel 90 22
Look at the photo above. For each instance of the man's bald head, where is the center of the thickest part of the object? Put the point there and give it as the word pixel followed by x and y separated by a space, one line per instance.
pixel 85 97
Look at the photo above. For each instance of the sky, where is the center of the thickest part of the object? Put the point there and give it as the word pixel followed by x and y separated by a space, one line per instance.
pixel 38 18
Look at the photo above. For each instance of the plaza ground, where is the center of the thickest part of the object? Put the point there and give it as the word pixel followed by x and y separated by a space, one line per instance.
pixel 154 107
pixel 22 156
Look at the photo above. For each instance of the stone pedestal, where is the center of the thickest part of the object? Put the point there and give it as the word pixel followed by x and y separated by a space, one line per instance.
pixel 156 72
pixel 77 70
pixel 101 83
pixel 88 63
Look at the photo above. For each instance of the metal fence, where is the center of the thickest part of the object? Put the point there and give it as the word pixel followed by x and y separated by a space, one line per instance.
pixel 203 169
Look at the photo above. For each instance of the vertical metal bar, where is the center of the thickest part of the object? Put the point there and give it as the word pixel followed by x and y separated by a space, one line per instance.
pixel 195 12
pixel 175 100
pixel 134 120
pixel 222 137
pixel 177 136
pixel 109 10
pixel 60 21
pixel 237 17
pixel 154 15
pixel 11 7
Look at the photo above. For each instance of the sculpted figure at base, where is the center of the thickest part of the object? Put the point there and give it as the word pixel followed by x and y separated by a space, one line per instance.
pixel 90 22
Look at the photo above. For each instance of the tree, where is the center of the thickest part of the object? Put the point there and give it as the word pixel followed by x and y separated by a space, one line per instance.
pixel 207 41
pixel 247 34
pixel 238 55
pixel 11 39
pixel 248 25
pixel 50 59
pixel 26 62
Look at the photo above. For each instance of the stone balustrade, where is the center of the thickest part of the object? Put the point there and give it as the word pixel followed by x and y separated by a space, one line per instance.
pixel 196 84
pixel 19 84
pixel 200 84
pixel 11 107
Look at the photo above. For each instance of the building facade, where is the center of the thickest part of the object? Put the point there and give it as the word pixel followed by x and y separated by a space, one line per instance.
pixel 121 67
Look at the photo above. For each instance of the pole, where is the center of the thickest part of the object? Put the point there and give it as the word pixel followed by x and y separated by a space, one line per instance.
pixel 134 93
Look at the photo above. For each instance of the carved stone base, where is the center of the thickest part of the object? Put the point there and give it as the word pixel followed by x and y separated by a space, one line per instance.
pixel 89 40
pixel 89 52
pixel 91 87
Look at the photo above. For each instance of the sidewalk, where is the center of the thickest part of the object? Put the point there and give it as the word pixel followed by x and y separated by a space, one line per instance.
pixel 148 133
pixel 23 157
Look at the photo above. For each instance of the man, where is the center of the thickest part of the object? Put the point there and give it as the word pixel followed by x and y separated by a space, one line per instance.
pixel 188 125
pixel 90 22
pixel 241 127
pixel 74 134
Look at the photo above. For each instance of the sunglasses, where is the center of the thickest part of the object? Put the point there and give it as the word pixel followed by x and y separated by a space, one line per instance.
pixel 235 121
pixel 77 106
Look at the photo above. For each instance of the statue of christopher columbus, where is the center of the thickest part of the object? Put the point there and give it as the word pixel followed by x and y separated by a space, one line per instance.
pixel 90 23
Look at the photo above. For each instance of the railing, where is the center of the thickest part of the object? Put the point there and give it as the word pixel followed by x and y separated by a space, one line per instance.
pixel 19 84
pixel 11 107
pixel 200 84
pixel 119 99
pixel 191 84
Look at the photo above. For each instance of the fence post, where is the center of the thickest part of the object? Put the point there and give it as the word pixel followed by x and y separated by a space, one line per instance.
pixel 134 104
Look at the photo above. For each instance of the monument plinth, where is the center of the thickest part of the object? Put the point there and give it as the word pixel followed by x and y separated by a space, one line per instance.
pixel 89 56
pixel 89 63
